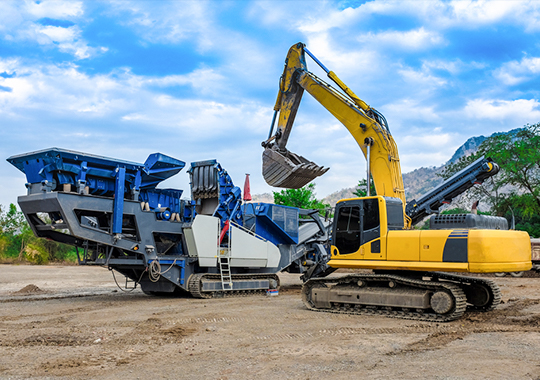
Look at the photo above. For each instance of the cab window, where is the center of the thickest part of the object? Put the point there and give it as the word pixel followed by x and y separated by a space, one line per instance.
pixel 371 220
pixel 348 229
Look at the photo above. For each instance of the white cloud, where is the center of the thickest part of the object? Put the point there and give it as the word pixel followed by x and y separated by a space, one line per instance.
pixel 521 111
pixel 19 21
pixel 322 18
pixel 417 39
pixel 59 89
pixel 64 91
pixel 293 15
pixel 241 56
pixel 358 62
pixel 435 139
pixel 421 78
pixel 67 40
pixel 60 34
pixel 407 109
pixel 168 21
pixel 514 72
pixel 434 15
pixel 63 88
pixel 454 66
pixel 204 81
pixel 53 8
pixel 10 16
pixel 467 14
pixel 481 12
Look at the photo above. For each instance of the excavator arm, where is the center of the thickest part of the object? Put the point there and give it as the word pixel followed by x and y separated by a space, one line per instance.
pixel 282 168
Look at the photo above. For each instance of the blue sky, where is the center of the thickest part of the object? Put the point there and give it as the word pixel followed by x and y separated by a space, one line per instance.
pixel 198 79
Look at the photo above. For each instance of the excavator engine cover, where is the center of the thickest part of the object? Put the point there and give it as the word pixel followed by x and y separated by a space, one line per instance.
pixel 287 169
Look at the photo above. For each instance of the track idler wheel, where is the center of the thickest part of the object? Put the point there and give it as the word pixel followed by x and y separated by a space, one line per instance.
pixel 441 302
pixel 307 295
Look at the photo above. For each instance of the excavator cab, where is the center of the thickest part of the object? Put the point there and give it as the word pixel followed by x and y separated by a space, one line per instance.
pixel 359 221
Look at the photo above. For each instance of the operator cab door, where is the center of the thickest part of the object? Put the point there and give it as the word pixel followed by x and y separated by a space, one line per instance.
pixel 357 228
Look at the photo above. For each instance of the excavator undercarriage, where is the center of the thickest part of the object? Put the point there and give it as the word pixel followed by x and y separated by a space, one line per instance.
pixel 425 296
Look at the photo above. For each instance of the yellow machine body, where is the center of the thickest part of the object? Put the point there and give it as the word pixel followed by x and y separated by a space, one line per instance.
pixel 449 250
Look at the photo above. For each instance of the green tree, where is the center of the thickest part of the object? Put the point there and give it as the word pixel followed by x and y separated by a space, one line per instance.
pixel 15 232
pixel 361 188
pixel 11 220
pixel 517 185
pixel 301 198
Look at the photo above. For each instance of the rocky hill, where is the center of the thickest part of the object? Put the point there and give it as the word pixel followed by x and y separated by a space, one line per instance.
pixel 470 146
pixel 417 183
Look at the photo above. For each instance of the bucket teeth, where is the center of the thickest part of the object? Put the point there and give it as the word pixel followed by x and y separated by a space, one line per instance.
pixel 289 170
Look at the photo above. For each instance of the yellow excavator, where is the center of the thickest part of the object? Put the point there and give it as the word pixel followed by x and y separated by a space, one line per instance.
pixel 411 269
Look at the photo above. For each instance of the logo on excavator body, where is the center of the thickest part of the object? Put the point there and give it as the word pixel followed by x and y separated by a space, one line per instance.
pixel 455 248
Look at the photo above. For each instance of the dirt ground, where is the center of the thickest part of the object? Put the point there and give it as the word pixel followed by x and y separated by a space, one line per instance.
pixel 72 322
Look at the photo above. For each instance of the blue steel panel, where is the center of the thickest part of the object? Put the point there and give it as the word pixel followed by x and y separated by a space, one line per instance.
pixel 276 223
pixel 99 172
pixel 118 208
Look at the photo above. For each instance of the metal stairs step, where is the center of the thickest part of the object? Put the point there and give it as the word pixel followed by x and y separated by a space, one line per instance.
pixel 225 272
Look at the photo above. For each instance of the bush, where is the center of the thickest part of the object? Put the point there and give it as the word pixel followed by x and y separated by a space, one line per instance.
pixel 18 242
pixel 36 254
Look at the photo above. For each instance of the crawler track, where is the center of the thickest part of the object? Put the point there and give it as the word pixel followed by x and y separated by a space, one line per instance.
pixel 196 283
pixel 482 294
pixel 403 284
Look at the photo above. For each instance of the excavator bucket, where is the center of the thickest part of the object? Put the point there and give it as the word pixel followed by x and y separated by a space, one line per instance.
pixel 288 170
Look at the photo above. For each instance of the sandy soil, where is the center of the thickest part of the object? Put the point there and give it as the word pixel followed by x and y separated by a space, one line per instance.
pixel 72 322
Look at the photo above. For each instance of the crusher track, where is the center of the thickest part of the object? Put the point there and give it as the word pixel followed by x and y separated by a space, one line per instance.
pixel 196 283
pixel 453 292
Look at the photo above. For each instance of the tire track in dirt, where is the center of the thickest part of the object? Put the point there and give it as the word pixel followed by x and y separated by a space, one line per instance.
pixel 150 331
pixel 508 319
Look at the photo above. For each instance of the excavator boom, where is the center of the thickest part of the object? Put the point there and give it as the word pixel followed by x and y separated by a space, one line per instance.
pixel 282 168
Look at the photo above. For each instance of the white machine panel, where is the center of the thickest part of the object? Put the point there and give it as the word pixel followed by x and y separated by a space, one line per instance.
pixel 273 255
pixel 206 234
pixel 246 249
pixel 250 251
